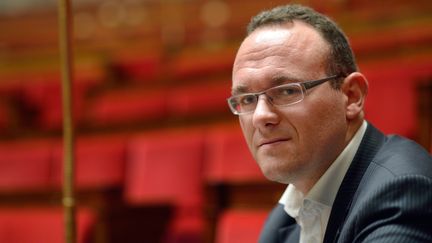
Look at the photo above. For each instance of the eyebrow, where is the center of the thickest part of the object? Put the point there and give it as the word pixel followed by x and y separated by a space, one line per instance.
pixel 241 89
pixel 275 81
pixel 283 79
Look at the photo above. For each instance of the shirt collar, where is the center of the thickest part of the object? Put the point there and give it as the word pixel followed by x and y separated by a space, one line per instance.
pixel 325 190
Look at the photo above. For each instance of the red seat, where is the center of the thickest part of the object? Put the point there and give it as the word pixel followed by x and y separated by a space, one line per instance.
pixel 10 85
pixel 6 116
pixel 10 90
pixel 45 98
pixel 167 167
pixel 125 107
pixel 138 68
pixel 41 224
pixel 202 99
pixel 395 84
pixel 200 63
pixel 228 157
pixel 100 162
pixel 232 175
pixel 238 225
pixel 25 165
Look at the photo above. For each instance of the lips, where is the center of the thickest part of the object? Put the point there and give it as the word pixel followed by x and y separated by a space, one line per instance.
pixel 272 141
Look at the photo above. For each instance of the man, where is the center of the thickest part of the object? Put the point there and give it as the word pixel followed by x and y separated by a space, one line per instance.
pixel 300 99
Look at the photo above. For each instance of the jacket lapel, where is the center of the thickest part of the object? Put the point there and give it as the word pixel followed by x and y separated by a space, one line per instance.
pixel 277 226
pixel 290 234
pixel 371 142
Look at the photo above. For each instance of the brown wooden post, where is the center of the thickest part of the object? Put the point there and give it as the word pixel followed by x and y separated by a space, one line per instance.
pixel 66 61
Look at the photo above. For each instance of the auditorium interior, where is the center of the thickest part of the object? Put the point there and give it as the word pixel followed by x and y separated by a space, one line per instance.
pixel 158 155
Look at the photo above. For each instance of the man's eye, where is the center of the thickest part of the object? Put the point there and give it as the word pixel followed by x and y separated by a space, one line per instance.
pixel 287 91
pixel 247 100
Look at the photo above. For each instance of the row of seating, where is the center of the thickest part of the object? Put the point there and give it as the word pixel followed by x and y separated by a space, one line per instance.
pixel 36 163
pixel 42 224
pixel 360 13
pixel 39 105
pixel 393 94
pixel 147 66
pixel 46 224
pixel 173 166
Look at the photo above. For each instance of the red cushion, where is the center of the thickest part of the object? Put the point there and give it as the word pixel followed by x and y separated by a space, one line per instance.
pixel 30 225
pixel 200 99
pixel 25 165
pixel 99 160
pixel 165 167
pixel 126 106
pixel 238 225
pixel 229 158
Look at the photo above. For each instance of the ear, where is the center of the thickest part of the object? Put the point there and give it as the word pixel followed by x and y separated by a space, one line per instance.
pixel 355 88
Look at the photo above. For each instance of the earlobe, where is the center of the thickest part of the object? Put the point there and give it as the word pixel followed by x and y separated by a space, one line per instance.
pixel 355 88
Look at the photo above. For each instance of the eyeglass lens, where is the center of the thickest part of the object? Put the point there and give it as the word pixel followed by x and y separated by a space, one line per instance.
pixel 280 95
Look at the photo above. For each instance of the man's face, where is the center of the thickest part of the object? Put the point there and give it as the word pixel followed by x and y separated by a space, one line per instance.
pixel 295 143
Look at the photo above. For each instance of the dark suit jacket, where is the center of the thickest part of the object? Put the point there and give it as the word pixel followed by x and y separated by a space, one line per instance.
pixel 386 196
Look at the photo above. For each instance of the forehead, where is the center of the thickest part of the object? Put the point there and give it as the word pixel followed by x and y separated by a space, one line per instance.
pixel 293 50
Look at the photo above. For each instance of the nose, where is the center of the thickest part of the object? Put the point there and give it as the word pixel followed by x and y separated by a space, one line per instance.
pixel 265 113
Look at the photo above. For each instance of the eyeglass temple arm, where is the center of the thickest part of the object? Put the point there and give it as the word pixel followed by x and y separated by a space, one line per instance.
pixel 311 84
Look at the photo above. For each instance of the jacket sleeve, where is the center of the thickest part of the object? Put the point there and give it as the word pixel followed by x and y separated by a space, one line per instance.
pixel 398 211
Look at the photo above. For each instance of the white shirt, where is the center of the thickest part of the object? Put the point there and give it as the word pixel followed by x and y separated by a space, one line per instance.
pixel 313 211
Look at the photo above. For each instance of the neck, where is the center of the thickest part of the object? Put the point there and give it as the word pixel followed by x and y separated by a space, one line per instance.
pixel 306 185
pixel 353 127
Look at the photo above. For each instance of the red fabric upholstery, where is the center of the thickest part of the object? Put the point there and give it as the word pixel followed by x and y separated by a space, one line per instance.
pixel 137 68
pixel 200 99
pixel 45 98
pixel 10 86
pixel 237 225
pixel 10 89
pixel 228 157
pixel 391 101
pixel 190 64
pixel 167 167
pixel 126 106
pixel 100 162
pixel 30 225
pixel 25 165
pixel 6 116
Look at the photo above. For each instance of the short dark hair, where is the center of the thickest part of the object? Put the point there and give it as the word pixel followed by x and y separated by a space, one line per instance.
pixel 341 60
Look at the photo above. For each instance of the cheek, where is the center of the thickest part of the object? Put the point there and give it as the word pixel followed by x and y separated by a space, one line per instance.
pixel 323 127
pixel 315 119
pixel 248 130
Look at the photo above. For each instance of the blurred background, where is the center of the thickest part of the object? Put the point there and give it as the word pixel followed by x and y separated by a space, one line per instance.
pixel 159 156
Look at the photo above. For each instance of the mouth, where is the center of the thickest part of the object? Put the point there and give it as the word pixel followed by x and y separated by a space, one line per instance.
pixel 272 142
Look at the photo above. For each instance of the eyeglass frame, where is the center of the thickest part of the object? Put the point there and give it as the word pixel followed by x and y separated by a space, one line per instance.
pixel 305 86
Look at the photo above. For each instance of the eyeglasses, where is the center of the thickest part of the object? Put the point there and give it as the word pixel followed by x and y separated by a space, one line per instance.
pixel 282 95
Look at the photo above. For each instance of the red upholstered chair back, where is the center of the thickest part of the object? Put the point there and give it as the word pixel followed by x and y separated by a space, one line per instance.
pixel 238 225
pixel 228 157
pixel 100 162
pixel 25 165
pixel 165 167
pixel 41 224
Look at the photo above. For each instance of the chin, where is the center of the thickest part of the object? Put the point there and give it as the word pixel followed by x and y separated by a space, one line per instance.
pixel 273 174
